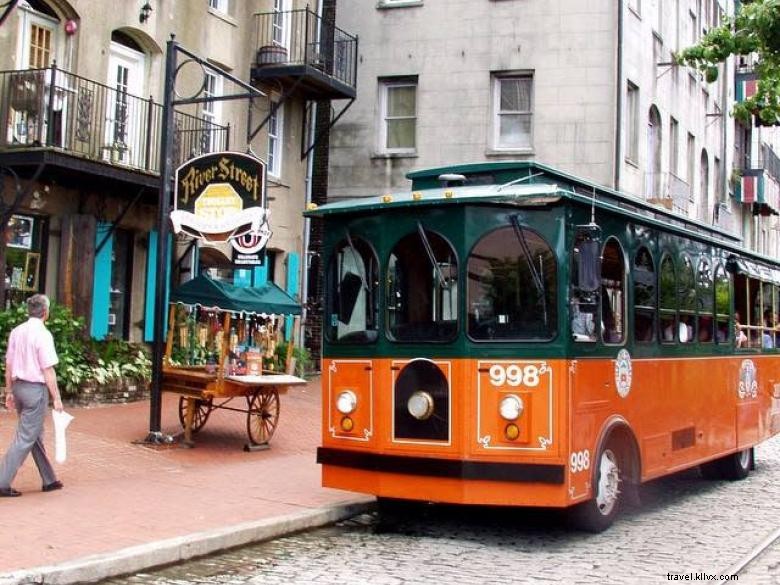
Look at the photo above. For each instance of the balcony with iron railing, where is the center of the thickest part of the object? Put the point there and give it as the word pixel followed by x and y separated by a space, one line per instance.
pixel 53 109
pixel 308 56
pixel 759 180
pixel 668 190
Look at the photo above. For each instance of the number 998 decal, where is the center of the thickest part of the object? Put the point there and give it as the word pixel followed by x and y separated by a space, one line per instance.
pixel 516 375
pixel 579 461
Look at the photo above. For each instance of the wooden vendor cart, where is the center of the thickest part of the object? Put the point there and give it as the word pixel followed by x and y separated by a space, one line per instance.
pixel 221 343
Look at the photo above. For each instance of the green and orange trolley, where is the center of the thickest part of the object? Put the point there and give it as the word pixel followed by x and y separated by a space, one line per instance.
pixel 524 337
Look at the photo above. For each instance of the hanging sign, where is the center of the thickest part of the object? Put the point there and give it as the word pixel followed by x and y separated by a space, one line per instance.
pixel 220 197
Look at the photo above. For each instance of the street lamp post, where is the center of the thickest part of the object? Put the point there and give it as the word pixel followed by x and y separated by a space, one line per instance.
pixel 166 168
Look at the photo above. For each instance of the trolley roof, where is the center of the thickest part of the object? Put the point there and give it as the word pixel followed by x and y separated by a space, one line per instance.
pixel 528 184
pixel 513 183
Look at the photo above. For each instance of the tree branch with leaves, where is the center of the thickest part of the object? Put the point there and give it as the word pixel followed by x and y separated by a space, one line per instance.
pixel 754 29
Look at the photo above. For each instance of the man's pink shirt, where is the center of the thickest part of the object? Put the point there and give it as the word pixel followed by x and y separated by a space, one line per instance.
pixel 30 351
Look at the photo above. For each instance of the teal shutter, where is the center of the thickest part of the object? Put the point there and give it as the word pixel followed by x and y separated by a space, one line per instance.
pixel 260 275
pixel 151 286
pixel 101 283
pixel 293 282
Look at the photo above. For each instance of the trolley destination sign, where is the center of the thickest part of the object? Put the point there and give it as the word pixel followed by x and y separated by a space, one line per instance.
pixel 220 198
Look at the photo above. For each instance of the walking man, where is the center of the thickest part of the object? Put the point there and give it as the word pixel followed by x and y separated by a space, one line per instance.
pixel 29 372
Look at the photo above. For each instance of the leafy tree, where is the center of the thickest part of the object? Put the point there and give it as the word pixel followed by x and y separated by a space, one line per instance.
pixel 755 28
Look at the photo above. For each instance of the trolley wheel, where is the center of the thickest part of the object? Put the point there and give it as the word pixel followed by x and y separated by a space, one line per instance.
pixel 598 514
pixel 733 467
pixel 262 416
pixel 199 417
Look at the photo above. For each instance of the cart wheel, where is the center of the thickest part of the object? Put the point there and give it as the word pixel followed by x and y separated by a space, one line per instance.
pixel 199 417
pixel 262 416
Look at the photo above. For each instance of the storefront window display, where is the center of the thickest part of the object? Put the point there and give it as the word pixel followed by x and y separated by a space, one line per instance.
pixel 24 257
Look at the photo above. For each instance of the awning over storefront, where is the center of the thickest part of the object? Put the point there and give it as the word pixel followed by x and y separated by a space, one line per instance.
pixel 753 269
pixel 268 299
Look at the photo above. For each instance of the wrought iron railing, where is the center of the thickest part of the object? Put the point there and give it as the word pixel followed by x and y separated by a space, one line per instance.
pixel 301 37
pixel 56 109
pixel 762 158
pixel 667 189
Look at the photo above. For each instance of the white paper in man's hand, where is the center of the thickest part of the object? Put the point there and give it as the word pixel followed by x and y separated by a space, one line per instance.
pixel 61 421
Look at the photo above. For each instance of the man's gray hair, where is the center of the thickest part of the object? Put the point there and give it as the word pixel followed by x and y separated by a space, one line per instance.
pixel 37 305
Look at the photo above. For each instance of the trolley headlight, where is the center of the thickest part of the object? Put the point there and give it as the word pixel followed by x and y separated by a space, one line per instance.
pixel 346 402
pixel 420 405
pixel 511 407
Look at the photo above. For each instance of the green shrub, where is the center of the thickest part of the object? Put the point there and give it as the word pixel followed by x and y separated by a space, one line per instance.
pixel 303 361
pixel 82 359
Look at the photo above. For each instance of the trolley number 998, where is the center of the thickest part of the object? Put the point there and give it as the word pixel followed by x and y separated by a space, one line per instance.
pixel 514 375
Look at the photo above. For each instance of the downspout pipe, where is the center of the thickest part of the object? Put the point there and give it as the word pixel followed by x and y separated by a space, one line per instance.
pixel 306 260
pixel 618 100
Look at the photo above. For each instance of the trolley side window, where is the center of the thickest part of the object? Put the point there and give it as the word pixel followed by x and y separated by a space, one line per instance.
pixel 768 317
pixel 644 296
pixel 512 286
pixel 722 304
pixel 686 298
pixel 705 299
pixel 668 300
pixel 422 288
pixel 613 298
pixel 352 298
pixel 585 282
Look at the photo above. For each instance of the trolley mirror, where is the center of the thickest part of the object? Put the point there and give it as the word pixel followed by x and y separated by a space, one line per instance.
pixel 585 281
pixel 587 246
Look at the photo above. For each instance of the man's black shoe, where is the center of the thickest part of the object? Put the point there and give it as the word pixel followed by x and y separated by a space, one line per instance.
pixel 50 487
pixel 9 492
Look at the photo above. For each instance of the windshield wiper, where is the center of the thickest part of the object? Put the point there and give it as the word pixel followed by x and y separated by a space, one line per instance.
pixel 431 256
pixel 357 257
pixel 535 274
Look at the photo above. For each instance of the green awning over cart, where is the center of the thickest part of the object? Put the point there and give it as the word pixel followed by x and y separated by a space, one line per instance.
pixel 268 299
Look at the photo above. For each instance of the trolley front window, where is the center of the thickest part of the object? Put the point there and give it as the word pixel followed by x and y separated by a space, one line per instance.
pixel 512 286
pixel 352 298
pixel 422 288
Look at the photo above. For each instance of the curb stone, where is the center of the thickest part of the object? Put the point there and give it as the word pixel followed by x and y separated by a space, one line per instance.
pixel 134 559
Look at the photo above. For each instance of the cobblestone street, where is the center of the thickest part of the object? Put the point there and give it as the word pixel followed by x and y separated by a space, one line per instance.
pixel 685 525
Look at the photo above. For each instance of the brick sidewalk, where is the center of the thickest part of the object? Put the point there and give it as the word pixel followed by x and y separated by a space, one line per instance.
pixel 119 494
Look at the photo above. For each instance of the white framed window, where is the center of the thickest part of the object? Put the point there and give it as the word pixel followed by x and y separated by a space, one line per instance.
pixel 398 124
pixel 38 40
pixel 280 23
pixel 398 3
pixel 691 162
pixel 275 141
pixel 656 14
pixel 674 145
pixel 513 112
pixel 123 135
pixel 211 112
pixel 632 123
pixel 220 6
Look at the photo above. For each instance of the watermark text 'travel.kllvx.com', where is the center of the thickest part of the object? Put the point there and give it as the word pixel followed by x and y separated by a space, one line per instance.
pixel 700 577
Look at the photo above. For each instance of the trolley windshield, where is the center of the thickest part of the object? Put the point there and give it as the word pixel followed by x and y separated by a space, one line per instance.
pixel 512 286
pixel 422 295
